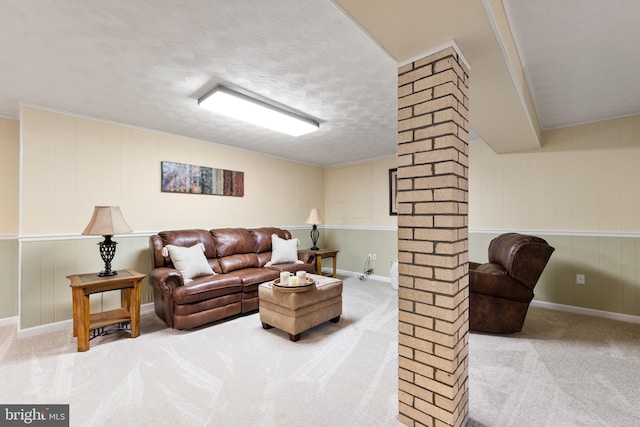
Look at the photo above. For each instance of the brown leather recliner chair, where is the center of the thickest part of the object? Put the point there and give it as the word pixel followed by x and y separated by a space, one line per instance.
pixel 500 291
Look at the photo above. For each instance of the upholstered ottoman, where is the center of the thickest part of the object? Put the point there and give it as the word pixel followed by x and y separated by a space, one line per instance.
pixel 296 312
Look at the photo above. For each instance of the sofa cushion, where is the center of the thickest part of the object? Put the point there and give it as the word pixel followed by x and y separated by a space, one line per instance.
pixel 190 261
pixel 238 262
pixel 283 251
pixel 262 237
pixel 207 287
pixel 231 303
pixel 293 267
pixel 232 241
pixel 252 277
pixel 189 238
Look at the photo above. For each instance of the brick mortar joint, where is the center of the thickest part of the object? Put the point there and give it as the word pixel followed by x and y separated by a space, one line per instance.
pixel 431 112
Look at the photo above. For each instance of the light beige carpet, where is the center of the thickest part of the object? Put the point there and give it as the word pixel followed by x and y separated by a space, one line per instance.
pixel 562 370
pixel 230 374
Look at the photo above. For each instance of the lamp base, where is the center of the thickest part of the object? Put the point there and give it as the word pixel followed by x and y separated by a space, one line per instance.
pixel 107 252
pixel 315 248
pixel 314 237
pixel 108 273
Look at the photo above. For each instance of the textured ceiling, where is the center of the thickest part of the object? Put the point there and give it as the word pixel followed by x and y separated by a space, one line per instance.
pixel 145 63
pixel 581 57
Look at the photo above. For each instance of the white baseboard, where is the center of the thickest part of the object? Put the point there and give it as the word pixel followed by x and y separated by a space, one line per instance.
pixel 45 329
pixel 147 308
pixel 357 274
pixel 587 311
pixel 542 304
pixel 8 320
pixel 65 324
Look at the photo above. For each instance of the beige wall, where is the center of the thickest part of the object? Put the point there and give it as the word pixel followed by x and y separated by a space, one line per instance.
pixel 46 296
pixel 581 191
pixel 355 244
pixel 9 161
pixel 71 164
pixel 358 194
pixel 585 180
pixel 357 220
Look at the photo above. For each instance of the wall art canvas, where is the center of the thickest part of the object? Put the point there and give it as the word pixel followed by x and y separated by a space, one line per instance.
pixel 393 191
pixel 183 178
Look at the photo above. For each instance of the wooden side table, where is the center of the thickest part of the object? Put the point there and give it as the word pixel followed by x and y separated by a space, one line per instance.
pixel 325 253
pixel 86 325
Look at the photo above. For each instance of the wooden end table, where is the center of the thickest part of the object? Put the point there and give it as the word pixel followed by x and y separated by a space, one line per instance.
pixel 87 326
pixel 324 253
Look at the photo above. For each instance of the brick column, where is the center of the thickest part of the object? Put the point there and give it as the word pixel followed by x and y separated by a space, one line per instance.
pixel 433 240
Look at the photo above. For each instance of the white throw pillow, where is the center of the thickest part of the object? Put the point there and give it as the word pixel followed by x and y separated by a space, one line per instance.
pixel 190 262
pixel 283 251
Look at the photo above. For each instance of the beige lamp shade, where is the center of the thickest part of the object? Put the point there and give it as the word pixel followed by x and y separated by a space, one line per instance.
pixel 107 221
pixel 314 217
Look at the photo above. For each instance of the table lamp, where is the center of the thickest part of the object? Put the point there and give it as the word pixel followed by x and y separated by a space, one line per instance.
pixel 314 218
pixel 107 221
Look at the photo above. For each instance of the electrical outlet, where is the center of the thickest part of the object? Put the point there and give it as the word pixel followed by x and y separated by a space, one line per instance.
pixel 372 257
pixel 580 280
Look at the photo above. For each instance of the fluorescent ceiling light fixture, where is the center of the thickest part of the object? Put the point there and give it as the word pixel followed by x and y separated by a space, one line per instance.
pixel 223 100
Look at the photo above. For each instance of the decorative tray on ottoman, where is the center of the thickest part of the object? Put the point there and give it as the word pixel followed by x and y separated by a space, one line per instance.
pixel 306 286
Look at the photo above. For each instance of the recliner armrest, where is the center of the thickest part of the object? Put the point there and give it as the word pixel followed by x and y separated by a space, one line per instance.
pixel 307 257
pixel 165 279
pixel 500 286
pixel 473 265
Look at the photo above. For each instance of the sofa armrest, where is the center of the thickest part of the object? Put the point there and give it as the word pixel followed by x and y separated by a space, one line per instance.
pixel 165 279
pixel 307 257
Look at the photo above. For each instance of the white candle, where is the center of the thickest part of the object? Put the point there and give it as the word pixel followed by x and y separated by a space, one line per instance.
pixel 284 278
pixel 302 276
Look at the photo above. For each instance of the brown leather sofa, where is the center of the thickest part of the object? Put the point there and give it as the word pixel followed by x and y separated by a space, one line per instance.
pixel 500 291
pixel 237 256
